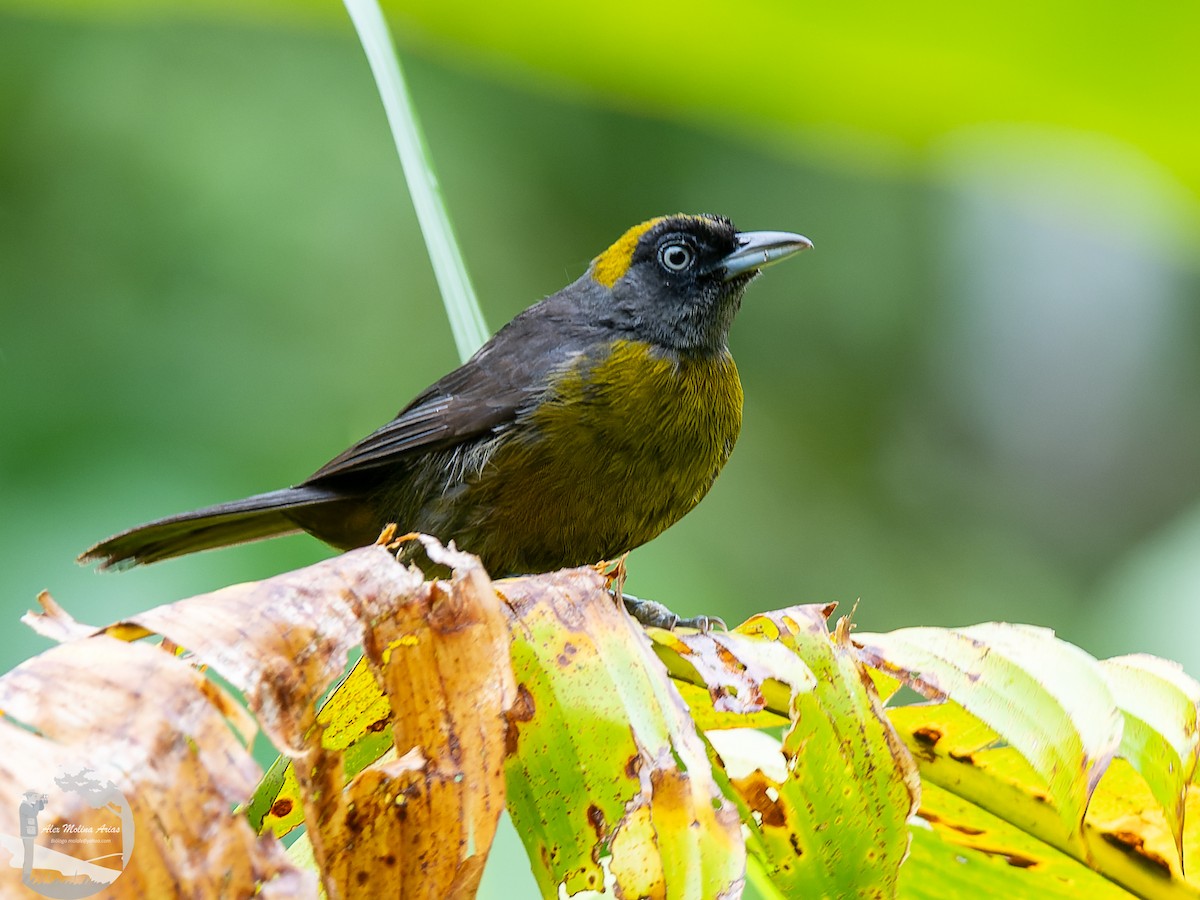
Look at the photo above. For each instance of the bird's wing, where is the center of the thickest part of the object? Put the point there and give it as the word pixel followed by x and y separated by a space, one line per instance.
pixel 434 420
pixel 485 393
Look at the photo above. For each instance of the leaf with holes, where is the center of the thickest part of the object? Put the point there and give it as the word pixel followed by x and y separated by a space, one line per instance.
pixel 608 780
pixel 826 807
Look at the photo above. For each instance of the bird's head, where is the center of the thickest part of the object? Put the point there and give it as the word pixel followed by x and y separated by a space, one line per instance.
pixel 677 281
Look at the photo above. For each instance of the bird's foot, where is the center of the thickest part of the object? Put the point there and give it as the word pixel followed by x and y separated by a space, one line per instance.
pixel 654 615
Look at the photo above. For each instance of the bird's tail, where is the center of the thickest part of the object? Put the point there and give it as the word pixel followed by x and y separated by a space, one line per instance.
pixel 252 519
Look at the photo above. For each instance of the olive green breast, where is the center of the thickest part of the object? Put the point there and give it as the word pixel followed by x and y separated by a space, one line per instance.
pixel 616 450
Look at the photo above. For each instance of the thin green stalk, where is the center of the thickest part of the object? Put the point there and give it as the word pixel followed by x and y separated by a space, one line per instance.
pixel 462 308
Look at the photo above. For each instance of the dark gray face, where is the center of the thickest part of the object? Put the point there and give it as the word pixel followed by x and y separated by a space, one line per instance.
pixel 675 292
pixel 675 282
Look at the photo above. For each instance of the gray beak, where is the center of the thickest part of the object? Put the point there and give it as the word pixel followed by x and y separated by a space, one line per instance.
pixel 758 249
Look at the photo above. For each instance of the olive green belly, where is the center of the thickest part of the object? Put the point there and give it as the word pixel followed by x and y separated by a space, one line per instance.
pixel 614 453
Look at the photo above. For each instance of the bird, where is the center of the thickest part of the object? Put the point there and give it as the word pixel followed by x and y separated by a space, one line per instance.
pixel 586 426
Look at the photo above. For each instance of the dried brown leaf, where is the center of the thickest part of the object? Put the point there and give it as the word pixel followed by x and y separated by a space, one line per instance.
pixel 54 622
pixel 420 825
pixel 157 728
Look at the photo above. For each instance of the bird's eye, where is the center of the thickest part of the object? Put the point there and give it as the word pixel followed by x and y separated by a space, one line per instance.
pixel 676 257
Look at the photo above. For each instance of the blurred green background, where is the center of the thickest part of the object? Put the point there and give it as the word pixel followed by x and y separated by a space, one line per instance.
pixel 975 399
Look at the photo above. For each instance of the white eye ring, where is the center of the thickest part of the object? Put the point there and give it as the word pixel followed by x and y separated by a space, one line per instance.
pixel 676 257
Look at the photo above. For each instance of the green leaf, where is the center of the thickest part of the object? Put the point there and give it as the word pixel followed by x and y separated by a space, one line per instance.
pixel 462 307
pixel 960 850
pixel 608 781
pixel 1045 697
pixel 826 807
pixel 1124 837
pixel 1160 738
pixel 730 680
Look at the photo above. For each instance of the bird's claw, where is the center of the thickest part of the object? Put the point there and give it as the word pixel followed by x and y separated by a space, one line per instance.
pixel 654 615
pixel 703 624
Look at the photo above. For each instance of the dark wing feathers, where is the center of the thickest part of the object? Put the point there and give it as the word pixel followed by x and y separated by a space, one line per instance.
pixel 480 396
pixel 439 421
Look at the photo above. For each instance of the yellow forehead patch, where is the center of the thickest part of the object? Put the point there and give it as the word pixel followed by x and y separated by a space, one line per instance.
pixel 609 266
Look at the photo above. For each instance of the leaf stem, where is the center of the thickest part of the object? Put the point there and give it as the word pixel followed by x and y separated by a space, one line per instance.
pixel 462 307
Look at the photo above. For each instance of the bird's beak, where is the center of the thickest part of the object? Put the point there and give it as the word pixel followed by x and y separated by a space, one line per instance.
pixel 757 249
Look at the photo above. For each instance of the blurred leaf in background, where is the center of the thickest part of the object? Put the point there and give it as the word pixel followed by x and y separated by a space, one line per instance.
pixel 976 400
